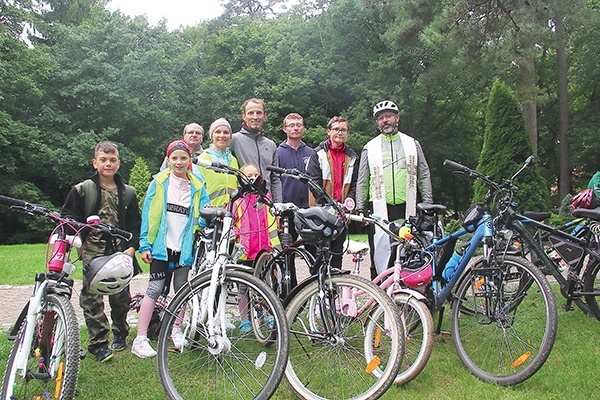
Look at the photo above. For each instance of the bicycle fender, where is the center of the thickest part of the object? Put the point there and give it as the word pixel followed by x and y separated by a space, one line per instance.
pixel 240 267
pixel 13 331
pixel 410 293
pixel 298 288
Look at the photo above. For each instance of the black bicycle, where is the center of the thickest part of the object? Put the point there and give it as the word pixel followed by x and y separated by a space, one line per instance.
pixel 568 253
pixel 278 267
pixel 346 336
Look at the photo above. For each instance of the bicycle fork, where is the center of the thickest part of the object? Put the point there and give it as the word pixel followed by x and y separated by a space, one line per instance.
pixel 33 310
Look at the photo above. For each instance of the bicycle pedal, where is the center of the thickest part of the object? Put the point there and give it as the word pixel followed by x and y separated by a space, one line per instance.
pixel 446 333
pixel 82 353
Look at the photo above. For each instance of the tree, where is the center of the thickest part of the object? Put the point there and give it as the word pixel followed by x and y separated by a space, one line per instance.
pixel 252 8
pixel 140 179
pixel 506 145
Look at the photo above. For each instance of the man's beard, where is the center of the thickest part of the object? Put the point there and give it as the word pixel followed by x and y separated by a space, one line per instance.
pixel 389 129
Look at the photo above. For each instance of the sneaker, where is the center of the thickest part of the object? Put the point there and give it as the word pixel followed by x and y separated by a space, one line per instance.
pixel 118 344
pixel 245 326
pixel 178 338
pixel 141 347
pixel 104 355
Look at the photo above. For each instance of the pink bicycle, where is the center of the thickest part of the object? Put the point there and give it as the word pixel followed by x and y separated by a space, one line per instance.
pixel 412 304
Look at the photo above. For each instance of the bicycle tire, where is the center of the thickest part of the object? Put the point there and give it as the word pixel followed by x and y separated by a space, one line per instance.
pixel 417 322
pixel 247 369
pixel 347 365
pixel 270 266
pixel 509 344
pixel 53 361
pixel 591 283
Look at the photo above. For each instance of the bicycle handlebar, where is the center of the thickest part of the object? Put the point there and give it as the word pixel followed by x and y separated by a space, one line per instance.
pixel 38 209
pixel 245 184
pixel 506 186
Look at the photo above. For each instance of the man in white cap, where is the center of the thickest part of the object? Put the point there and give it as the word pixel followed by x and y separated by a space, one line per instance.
pixel 392 169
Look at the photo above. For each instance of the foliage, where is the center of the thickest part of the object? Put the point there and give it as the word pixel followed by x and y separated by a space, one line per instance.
pixel 452 226
pixel 140 179
pixel 90 75
pixel 505 148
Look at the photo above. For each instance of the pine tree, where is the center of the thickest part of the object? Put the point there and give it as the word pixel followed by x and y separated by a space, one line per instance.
pixel 506 145
pixel 140 179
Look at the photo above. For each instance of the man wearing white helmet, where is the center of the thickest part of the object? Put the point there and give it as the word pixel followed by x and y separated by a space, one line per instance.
pixel 392 170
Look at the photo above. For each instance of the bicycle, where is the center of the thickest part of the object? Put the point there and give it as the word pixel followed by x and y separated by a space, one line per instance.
pixel 218 359
pixel 504 315
pixel 347 340
pixel 278 267
pixel 412 305
pixel 44 360
pixel 576 265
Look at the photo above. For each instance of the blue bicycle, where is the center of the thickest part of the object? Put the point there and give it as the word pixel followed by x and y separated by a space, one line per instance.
pixel 504 314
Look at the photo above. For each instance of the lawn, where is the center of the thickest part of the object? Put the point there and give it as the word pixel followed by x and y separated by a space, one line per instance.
pixel 571 371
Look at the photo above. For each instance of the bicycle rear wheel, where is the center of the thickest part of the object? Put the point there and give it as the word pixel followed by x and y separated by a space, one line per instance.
pixel 360 356
pixel 418 329
pixel 53 361
pixel 504 320
pixel 278 268
pixel 235 365
pixel 591 283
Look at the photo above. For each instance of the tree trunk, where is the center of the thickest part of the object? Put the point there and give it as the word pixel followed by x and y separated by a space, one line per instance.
pixel 565 179
pixel 529 104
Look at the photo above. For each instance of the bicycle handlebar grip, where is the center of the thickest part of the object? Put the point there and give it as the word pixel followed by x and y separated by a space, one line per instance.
pixel 10 201
pixel 456 166
pixel 277 170
pixel 355 218
pixel 115 231
pixel 207 163
pixel 120 232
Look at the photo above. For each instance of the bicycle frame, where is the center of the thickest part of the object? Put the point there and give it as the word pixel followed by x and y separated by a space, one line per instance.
pixel 217 260
pixel 567 284
pixel 482 234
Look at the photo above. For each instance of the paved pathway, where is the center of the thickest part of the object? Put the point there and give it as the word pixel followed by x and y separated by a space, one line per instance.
pixel 13 298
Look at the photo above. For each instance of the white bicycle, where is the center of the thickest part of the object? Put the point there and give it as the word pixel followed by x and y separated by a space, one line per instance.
pixel 219 359
pixel 44 361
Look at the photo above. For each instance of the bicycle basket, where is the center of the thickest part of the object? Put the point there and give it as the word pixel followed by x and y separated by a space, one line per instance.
pixel 418 271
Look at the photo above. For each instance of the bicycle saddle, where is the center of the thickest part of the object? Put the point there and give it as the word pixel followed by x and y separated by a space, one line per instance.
pixel 431 208
pixel 585 213
pixel 537 215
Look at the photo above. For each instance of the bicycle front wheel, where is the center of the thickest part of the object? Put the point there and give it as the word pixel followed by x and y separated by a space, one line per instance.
pixel 234 361
pixel 504 320
pixel 418 328
pixel 52 364
pixel 347 344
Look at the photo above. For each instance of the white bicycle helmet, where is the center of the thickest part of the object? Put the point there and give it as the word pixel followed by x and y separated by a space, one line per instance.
pixel 385 105
pixel 110 274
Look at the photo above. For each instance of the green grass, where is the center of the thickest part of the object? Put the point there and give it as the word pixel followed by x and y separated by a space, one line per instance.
pixel 571 371
pixel 19 263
